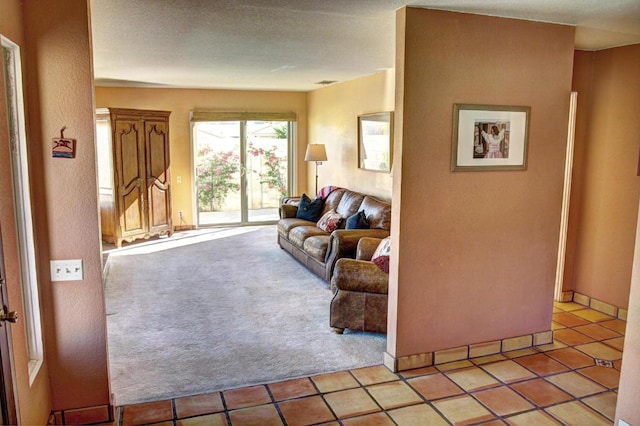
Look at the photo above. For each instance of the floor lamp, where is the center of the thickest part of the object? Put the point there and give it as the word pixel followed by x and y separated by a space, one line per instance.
pixel 317 153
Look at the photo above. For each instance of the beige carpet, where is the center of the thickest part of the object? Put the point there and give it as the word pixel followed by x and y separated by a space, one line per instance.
pixel 219 309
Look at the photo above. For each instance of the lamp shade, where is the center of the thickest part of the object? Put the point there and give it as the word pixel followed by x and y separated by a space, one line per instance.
pixel 315 152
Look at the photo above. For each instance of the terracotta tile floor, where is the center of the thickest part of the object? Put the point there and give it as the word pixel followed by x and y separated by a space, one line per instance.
pixel 559 383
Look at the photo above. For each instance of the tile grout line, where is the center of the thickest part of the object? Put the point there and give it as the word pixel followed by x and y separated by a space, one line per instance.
pixel 119 412
pixel 275 404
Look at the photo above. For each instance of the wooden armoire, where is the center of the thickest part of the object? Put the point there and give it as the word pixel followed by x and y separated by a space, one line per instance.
pixel 134 174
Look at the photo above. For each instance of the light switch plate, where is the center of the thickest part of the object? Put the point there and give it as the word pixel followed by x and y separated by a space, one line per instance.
pixel 66 270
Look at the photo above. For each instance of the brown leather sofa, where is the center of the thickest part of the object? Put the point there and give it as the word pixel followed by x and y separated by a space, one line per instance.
pixel 319 250
pixel 360 290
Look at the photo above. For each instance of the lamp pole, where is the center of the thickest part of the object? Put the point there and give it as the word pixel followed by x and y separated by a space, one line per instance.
pixel 317 162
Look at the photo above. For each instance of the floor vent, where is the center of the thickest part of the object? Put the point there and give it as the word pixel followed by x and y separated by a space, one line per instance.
pixel 604 363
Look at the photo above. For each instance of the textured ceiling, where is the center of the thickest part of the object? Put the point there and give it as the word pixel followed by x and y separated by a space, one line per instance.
pixel 294 44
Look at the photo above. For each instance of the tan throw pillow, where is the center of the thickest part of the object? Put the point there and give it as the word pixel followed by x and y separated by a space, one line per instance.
pixel 330 221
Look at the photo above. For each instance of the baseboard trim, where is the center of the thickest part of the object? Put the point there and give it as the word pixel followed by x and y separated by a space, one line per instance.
pixel 505 345
pixel 567 296
pixel 466 352
pixel 599 305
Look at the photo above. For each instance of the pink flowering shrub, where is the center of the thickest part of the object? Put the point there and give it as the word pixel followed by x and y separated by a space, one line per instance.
pixel 217 176
pixel 274 170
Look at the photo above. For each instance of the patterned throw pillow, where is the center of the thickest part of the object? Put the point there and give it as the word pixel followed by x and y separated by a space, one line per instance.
pixel 308 209
pixel 381 255
pixel 330 221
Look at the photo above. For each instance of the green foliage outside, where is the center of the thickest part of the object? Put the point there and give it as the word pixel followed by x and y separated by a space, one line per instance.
pixel 281 131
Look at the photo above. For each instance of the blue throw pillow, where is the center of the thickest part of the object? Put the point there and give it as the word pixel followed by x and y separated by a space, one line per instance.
pixel 357 221
pixel 310 210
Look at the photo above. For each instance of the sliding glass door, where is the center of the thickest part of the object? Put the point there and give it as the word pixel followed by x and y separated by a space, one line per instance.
pixel 241 170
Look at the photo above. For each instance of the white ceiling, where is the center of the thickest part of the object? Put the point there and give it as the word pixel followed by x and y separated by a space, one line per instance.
pixel 294 44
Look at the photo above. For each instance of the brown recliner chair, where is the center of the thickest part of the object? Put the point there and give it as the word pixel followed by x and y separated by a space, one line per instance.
pixel 360 292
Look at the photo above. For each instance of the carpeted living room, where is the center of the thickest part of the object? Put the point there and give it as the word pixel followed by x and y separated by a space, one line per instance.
pixel 479 252
pixel 219 308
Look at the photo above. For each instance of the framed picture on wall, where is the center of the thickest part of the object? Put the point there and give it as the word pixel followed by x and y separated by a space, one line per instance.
pixel 489 137
pixel 375 141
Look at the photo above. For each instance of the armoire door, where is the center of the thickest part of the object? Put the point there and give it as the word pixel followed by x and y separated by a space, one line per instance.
pixel 129 165
pixel 158 177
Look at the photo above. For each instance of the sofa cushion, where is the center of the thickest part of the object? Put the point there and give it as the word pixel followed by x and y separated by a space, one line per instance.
pixel 286 225
pixel 330 221
pixel 350 203
pixel 316 246
pixel 357 221
pixel 310 209
pixel 332 200
pixel 381 255
pixel 378 213
pixel 299 234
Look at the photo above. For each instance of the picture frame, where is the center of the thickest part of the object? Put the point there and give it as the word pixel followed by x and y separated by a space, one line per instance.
pixel 375 141
pixel 489 137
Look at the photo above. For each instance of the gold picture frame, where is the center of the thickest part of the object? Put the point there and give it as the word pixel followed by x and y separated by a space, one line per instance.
pixel 375 141
pixel 489 137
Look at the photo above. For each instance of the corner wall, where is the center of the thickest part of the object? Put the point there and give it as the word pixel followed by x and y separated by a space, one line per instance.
pixel 59 79
pixel 180 102
pixel 333 121
pixel 606 188
pixel 474 253
pixel 628 391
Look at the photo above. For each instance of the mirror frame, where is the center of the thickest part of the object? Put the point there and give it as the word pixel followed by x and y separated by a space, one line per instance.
pixel 364 129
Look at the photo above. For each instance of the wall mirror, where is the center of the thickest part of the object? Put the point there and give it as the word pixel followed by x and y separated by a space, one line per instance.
pixel 375 141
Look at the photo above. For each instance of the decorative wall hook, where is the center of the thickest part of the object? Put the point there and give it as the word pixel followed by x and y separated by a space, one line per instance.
pixel 63 147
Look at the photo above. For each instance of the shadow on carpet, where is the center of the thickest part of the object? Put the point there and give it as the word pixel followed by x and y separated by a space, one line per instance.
pixel 220 310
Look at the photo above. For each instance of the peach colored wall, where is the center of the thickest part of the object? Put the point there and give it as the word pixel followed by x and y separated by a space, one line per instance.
pixel 475 251
pixel 628 390
pixel 34 400
pixel 60 93
pixel 605 202
pixel 333 120
pixel 582 67
pixel 180 102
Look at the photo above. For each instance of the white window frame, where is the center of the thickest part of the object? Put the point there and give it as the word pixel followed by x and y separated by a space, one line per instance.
pixel 290 118
pixel 12 69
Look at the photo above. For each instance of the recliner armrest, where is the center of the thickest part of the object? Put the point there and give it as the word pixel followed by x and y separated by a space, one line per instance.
pixel 359 275
pixel 366 247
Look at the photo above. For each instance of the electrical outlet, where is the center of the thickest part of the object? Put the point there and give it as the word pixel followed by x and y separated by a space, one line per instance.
pixel 66 270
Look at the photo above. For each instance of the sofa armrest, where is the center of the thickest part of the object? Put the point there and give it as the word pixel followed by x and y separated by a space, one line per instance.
pixel 366 247
pixel 288 211
pixel 343 243
pixel 359 275
pixel 289 207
